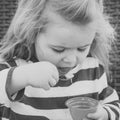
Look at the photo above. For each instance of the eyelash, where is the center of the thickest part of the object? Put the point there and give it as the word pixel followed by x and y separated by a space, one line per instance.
pixel 60 51
pixel 81 50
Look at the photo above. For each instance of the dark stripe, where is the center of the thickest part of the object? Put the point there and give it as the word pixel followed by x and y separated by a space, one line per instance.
pixel 51 103
pixel 105 93
pixel 63 83
pixel 115 103
pixel 4 111
pixel 8 82
pixel 116 113
pixel 19 95
pixel 12 63
pixel 3 66
pixel 8 89
pixel 81 75
pixel 9 114
pixel 89 74
pixel 109 115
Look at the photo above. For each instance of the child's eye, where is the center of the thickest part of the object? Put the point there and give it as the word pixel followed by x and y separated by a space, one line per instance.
pixel 81 49
pixel 58 50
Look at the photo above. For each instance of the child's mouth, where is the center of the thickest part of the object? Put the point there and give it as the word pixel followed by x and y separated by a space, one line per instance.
pixel 64 70
pixel 67 73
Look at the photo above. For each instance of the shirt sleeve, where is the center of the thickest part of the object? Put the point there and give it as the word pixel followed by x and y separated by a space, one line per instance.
pixel 17 96
pixel 109 99
pixel 5 79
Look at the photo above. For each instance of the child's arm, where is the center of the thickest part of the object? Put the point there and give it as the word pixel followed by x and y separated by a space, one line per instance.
pixel 109 107
pixel 111 103
pixel 38 75
pixel 13 80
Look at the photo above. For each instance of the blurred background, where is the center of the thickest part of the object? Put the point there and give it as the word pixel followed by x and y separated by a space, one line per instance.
pixel 112 7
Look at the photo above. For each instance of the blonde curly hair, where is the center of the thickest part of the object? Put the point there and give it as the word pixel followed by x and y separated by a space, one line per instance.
pixel 30 20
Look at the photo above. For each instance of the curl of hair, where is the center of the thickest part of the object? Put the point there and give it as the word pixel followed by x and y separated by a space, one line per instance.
pixel 23 30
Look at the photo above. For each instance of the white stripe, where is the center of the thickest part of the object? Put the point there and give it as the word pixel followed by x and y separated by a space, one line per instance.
pixel 90 62
pixel 3 95
pixel 56 114
pixel 4 119
pixel 111 113
pixel 77 88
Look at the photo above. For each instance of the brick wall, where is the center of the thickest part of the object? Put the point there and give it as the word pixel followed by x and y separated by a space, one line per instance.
pixel 113 9
pixel 7 9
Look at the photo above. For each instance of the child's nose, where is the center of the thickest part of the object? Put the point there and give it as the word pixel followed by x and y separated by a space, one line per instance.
pixel 70 59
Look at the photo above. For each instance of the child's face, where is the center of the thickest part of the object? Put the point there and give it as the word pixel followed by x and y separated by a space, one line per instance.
pixel 64 44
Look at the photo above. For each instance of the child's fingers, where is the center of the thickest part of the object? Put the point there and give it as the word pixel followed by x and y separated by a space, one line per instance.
pixel 52 82
pixel 55 76
pixel 93 116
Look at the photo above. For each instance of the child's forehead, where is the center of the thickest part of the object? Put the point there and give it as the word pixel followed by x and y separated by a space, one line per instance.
pixel 69 35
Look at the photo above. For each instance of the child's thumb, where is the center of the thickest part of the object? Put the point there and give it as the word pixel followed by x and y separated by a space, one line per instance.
pixel 52 82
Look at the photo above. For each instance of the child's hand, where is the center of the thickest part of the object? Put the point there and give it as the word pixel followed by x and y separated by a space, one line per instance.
pixel 42 75
pixel 100 114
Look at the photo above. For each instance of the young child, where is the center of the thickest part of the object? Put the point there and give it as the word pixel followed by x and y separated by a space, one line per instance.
pixel 55 50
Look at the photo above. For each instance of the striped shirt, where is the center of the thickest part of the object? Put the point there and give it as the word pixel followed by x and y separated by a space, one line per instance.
pixel 38 104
